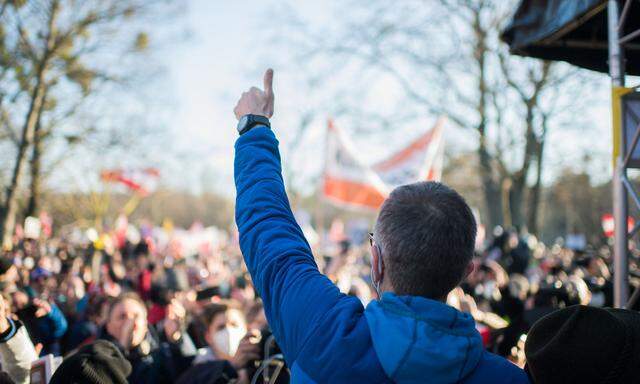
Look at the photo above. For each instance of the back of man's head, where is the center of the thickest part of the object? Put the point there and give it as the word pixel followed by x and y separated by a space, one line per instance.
pixel 427 233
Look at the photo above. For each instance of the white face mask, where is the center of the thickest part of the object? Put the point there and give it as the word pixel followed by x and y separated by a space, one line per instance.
pixel 228 339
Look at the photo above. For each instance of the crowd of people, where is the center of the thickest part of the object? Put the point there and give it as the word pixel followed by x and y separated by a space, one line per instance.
pixel 165 310
pixel 411 302
pixel 180 317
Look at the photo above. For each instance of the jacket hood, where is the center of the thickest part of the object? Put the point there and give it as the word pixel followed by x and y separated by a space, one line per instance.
pixel 418 340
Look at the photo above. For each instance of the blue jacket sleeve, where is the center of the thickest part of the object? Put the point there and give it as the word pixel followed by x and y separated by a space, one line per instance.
pixel 57 322
pixel 296 295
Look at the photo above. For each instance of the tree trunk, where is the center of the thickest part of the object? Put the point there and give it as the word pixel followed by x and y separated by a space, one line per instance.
pixel 11 201
pixel 534 204
pixel 516 197
pixel 36 159
pixel 505 190
pixel 10 208
pixel 516 192
pixel 491 187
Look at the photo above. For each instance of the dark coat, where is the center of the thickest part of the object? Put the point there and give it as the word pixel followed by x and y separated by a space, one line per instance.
pixel 156 361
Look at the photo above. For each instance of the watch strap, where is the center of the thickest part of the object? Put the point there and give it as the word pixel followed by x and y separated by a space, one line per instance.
pixel 252 121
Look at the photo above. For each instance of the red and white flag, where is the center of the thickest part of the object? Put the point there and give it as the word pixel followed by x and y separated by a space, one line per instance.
pixel 347 180
pixel 140 181
pixel 350 182
pixel 421 160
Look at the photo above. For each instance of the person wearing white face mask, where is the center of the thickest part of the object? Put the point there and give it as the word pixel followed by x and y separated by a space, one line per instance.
pixel 228 338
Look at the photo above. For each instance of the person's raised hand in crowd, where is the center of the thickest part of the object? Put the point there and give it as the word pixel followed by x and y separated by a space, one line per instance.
pixel 43 308
pixel 125 336
pixel 256 101
pixel 4 315
pixel 501 276
pixel 188 299
pixel 248 350
pixel 465 303
pixel 174 321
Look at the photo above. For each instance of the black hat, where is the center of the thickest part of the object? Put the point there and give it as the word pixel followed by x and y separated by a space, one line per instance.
pixel 582 344
pixel 5 264
pixel 100 362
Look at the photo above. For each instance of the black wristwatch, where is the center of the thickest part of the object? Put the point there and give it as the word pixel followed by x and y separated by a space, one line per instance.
pixel 249 121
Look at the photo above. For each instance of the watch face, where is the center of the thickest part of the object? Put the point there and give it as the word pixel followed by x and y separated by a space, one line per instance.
pixel 242 123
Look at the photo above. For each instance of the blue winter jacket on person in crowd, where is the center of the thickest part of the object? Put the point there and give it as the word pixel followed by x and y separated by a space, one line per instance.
pixel 329 337
pixel 46 330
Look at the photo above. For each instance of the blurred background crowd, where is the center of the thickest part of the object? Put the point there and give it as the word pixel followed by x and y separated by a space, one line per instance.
pixel 180 305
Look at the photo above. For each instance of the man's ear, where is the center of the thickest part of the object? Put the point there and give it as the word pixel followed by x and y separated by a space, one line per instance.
pixel 378 263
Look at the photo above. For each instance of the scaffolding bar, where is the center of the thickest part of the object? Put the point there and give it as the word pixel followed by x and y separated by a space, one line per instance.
pixel 629 37
pixel 632 191
pixel 632 148
pixel 623 16
pixel 620 262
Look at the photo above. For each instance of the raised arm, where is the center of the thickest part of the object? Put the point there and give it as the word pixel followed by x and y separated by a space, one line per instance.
pixel 296 295
pixel 16 349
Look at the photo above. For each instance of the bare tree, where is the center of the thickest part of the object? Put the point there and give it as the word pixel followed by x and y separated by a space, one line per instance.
pixel 447 58
pixel 54 55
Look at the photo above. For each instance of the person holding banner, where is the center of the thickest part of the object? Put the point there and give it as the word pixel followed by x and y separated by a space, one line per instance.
pixel 421 249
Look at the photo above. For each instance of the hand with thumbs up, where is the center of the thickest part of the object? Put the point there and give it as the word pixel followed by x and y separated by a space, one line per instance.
pixel 256 101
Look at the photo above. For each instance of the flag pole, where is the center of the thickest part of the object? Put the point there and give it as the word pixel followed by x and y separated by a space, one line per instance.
pixel 320 206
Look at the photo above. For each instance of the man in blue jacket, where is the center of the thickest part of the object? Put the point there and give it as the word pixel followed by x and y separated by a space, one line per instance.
pixel 421 249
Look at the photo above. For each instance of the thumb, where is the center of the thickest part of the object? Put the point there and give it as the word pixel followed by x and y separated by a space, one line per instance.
pixel 268 82
pixel 38 348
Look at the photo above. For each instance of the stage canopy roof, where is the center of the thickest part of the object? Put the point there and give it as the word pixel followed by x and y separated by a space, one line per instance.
pixel 574 31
